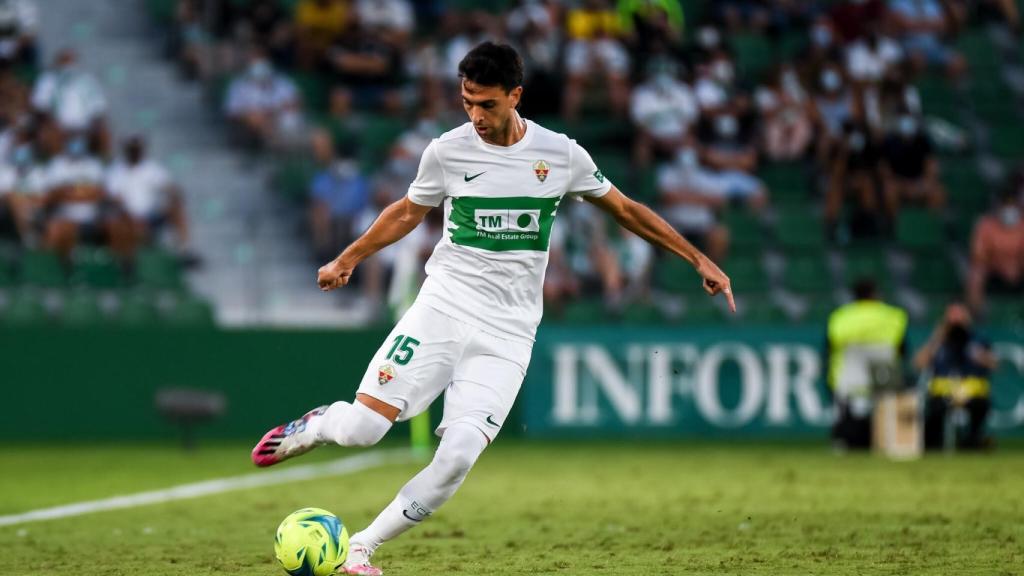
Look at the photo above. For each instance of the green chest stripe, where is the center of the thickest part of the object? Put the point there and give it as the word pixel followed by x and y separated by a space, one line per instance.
pixel 499 224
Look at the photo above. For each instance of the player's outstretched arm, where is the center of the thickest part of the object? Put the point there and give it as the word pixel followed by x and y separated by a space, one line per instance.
pixel 392 225
pixel 646 224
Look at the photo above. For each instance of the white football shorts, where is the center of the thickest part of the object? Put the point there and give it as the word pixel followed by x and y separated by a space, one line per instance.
pixel 429 352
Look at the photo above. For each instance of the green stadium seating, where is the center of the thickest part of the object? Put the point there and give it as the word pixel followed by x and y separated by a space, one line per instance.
pixel 672 274
pixel 642 313
pixel 919 230
pixel 292 178
pixel 938 99
pixel 818 309
pixel 807 275
pixel 314 89
pixel 618 169
pixel 761 311
pixel 702 312
pixel 867 265
pixel 378 136
pixel 7 277
pixel 799 231
pixel 786 182
pixel 136 309
pixel 25 309
pixel 754 54
pixel 747 274
pixel 745 232
pixel 1008 312
pixel 81 308
pixel 96 268
pixel 155 268
pixel 935 275
pixel 43 269
pixel 585 311
pixel 968 191
pixel 190 311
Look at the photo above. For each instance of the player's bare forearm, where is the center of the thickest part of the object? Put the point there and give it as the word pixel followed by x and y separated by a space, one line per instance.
pixel 646 224
pixel 393 224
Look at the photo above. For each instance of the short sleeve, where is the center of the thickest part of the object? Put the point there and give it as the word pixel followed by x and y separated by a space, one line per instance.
pixel 428 188
pixel 585 178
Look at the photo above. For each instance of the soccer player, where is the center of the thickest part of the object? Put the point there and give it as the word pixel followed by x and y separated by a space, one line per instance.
pixel 470 332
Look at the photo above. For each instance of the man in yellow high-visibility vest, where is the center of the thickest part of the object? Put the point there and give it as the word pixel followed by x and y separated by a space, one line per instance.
pixel 865 338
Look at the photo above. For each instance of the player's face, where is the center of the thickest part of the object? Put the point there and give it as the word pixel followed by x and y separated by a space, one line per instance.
pixel 489 108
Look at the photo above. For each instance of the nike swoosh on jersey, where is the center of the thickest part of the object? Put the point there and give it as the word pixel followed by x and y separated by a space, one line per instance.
pixel 492 422
pixel 469 178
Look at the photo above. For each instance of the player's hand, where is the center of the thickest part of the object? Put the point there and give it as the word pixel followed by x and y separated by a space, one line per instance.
pixel 334 274
pixel 715 281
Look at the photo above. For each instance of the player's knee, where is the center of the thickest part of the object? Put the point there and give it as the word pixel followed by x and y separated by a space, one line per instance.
pixel 459 451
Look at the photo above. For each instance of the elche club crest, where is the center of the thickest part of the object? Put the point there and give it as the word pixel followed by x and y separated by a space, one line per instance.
pixel 385 374
pixel 541 169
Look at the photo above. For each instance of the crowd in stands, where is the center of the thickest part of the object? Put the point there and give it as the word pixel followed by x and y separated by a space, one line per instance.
pixel 62 183
pixel 732 118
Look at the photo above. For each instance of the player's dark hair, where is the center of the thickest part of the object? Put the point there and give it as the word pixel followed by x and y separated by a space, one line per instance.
pixel 491 64
pixel 864 289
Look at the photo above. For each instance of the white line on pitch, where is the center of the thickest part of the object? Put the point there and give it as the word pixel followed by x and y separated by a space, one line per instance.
pixel 341 467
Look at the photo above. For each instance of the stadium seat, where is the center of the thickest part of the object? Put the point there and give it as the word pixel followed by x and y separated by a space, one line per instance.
pixel 938 98
pixel 96 268
pixel 867 265
pixel 754 54
pixel 378 136
pixel 643 313
pixel 786 182
pixel 25 309
pixel 585 311
pixel 314 89
pixel 1007 312
pixel 155 268
pixel 292 178
pixel 968 191
pixel 703 312
pixel 919 230
pixel 190 311
pixel 747 274
pixel 6 274
pixel 672 274
pixel 81 308
pixel 761 311
pixel 746 234
pixel 136 309
pixel 42 268
pixel 807 275
pixel 798 231
pixel 935 275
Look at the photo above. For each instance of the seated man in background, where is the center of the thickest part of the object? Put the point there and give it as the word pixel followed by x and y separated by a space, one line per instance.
pixel 19 21
pixel 958 363
pixel 77 202
pixel 146 193
pixel 339 193
pixel 74 98
pixel 594 44
pixel 910 171
pixel 263 103
pixel 691 198
pixel 922 25
pixel 853 171
pixel 663 109
pixel 997 252
pixel 22 191
pixel 728 158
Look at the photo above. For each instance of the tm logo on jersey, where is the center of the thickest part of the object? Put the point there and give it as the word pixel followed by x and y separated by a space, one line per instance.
pixel 502 223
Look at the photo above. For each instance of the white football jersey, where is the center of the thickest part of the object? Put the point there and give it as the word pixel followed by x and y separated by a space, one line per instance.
pixel 499 203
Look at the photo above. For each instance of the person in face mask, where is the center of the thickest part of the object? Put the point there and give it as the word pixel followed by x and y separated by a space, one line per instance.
pixel 263 104
pixel 957 363
pixel 997 252
pixel 910 171
pixel 663 109
pixel 145 192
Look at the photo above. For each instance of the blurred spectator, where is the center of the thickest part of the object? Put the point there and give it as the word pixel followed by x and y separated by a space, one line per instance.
pixel 834 105
pixel 633 259
pixel 653 28
pixel 585 265
pixel 691 198
pixel 786 127
pixel 871 56
pixel 663 110
pixel 742 14
pixel 264 24
pixel 14 95
pixel 145 191
pixel 910 171
pixel 852 19
pixel 922 26
pixel 532 28
pixel 76 199
pixel 74 98
pixel 853 171
pixel 727 149
pixel 893 97
pixel 862 335
pixel 997 252
pixel 338 195
pixel 19 20
pixel 715 87
pixel 189 37
pixel 392 20
pixel 22 191
pixel 318 25
pixel 263 103
pixel 594 43
pixel 957 362
pixel 370 66
pixel 467 31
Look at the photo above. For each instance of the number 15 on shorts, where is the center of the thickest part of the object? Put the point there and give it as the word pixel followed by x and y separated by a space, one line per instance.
pixel 402 350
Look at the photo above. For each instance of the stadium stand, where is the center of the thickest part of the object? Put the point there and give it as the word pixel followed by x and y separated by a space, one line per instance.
pixel 826 64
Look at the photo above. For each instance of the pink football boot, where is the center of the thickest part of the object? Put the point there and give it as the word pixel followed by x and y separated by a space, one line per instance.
pixel 288 440
pixel 358 562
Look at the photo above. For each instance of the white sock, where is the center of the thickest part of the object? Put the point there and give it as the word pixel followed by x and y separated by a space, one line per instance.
pixel 460 447
pixel 352 425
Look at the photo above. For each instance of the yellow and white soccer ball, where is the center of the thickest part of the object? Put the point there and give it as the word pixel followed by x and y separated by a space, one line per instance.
pixel 311 542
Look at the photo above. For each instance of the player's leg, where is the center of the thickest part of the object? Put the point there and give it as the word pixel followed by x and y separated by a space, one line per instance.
pixel 409 370
pixel 484 387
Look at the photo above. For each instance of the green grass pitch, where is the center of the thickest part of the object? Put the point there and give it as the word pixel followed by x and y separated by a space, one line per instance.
pixel 553 508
